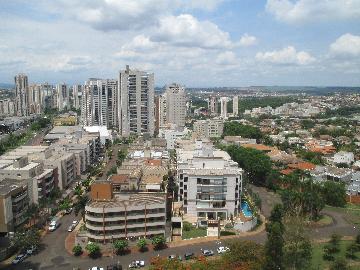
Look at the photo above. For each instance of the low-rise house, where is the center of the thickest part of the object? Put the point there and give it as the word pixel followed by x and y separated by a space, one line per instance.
pixel 343 157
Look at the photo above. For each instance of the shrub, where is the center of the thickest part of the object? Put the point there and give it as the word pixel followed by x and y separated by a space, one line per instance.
pixel 142 244
pixel 93 249
pixel 158 241
pixel 187 226
pixel 77 250
pixel 120 246
pixel 225 233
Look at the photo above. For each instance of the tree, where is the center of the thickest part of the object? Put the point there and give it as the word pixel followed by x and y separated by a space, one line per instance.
pixel 77 250
pixel 242 255
pixel 112 170
pixel 26 239
pixel 65 204
pixel 79 206
pixel 339 264
pixel 158 241
pixel 142 244
pixel 332 247
pixel 93 250
pixel 334 193
pixel 297 247
pixel 275 242
pixel 351 251
pixel 120 246
pixel 256 164
pixel 236 129
pixel 32 213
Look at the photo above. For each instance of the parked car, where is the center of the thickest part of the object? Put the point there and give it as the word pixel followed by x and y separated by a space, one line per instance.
pixel 114 267
pixel 68 211
pixel 54 224
pixel 31 250
pixel 75 222
pixel 136 264
pixel 208 252
pixel 96 268
pixel 221 250
pixel 19 258
pixel 172 257
pixel 189 256
pixel 71 228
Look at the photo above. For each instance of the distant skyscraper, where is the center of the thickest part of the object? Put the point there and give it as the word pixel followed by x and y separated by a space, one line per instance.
pixel 35 99
pixel 21 95
pixel 212 105
pixel 136 102
pixel 76 95
pixel 236 106
pixel 223 102
pixel 163 110
pixel 62 97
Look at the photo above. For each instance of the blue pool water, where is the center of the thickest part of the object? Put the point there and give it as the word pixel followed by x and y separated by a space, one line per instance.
pixel 246 209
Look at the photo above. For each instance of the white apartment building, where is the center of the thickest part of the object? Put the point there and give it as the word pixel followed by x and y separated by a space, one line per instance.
pixel 235 106
pixel 171 135
pixel 136 102
pixel 21 95
pixel 210 128
pixel 35 99
pixel 223 107
pixel 344 157
pixel 210 183
pixel 7 107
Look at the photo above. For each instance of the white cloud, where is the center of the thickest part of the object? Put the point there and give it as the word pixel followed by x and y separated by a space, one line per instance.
pixel 286 56
pixel 226 58
pixel 247 40
pixel 201 4
pixel 185 30
pixel 346 45
pixel 300 11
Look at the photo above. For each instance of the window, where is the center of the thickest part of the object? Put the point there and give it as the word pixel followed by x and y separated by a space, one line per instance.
pixel 181 176
pixel 185 186
pixel 185 179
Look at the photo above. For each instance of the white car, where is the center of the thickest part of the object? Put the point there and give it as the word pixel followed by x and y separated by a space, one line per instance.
pixel 75 222
pixel 221 250
pixel 136 264
pixel 70 228
pixel 96 268
pixel 208 252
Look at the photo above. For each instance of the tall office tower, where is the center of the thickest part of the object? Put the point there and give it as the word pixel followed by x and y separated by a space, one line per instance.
pixel 76 95
pixel 99 103
pixel 62 95
pixel 176 105
pixel 236 106
pixel 212 105
pixel 21 95
pixel 136 102
pixel 35 101
pixel 223 103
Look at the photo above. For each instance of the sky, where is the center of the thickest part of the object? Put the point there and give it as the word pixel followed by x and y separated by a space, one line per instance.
pixel 197 43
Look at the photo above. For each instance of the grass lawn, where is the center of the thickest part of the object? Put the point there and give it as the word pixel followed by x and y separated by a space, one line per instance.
pixel 351 212
pixel 193 233
pixel 323 221
pixel 319 263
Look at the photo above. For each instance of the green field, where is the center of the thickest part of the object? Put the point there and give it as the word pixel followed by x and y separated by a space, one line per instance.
pixel 193 233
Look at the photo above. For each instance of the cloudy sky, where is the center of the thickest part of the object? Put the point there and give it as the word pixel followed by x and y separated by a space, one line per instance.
pixel 192 42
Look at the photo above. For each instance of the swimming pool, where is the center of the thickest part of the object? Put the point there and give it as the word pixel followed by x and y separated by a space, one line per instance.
pixel 246 209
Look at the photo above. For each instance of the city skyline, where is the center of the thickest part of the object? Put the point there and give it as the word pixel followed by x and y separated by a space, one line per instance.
pixel 209 43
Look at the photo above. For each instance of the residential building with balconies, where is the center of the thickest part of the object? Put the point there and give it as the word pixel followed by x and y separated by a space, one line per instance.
pixel 111 216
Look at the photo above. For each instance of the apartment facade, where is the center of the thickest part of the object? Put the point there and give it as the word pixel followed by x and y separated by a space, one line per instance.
pixel 112 216
pixel 175 108
pixel 14 202
pixel 210 128
pixel 223 107
pixel 136 102
pixel 212 105
pixel 21 95
pixel 62 97
pixel 210 183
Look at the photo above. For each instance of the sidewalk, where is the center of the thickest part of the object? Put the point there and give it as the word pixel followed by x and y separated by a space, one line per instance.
pixel 70 241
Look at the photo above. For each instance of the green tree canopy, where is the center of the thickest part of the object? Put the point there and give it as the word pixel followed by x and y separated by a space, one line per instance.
pixel 334 193
pixel 236 129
